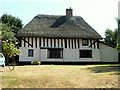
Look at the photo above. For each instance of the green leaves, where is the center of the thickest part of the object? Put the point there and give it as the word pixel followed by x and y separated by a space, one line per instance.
pixel 9 49
pixel 110 37
pixel 118 35
pixel 7 33
pixel 113 37
pixel 9 27
pixel 13 22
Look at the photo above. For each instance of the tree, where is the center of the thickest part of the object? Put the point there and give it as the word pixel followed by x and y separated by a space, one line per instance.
pixel 9 27
pixel 7 33
pixel 113 37
pixel 10 51
pixel 118 34
pixel 14 23
pixel 0 38
pixel 110 37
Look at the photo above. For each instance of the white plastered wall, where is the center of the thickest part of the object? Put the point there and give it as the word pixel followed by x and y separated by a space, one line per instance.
pixel 73 55
pixel 24 54
pixel 107 53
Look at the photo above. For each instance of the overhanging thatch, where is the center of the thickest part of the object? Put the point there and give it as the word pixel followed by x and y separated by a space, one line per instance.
pixel 58 27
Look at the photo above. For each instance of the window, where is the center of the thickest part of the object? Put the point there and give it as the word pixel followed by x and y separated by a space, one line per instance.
pixel 30 52
pixel 85 42
pixel 55 53
pixel 1 56
pixel 85 53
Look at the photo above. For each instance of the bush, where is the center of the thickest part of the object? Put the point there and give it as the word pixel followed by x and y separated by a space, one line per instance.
pixel 36 62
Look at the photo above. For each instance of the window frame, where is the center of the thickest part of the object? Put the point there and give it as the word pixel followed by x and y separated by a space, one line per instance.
pixel 30 52
pixel 85 42
pixel 50 53
pixel 85 54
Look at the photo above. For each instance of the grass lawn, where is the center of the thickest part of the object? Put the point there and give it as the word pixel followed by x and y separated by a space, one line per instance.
pixel 61 76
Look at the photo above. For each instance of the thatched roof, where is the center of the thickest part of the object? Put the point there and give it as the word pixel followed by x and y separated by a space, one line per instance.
pixel 58 27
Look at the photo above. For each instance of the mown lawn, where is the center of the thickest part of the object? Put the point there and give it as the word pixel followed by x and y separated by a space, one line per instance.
pixel 62 76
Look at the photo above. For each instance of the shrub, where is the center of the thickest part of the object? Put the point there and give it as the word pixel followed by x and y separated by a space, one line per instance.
pixel 35 62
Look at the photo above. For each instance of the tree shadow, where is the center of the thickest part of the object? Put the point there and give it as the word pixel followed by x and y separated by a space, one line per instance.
pixel 105 69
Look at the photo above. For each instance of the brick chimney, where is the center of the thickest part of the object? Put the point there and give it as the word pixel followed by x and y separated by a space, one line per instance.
pixel 69 12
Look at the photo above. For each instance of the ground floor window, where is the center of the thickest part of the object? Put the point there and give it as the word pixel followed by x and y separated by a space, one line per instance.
pixel 55 53
pixel 85 53
pixel 30 52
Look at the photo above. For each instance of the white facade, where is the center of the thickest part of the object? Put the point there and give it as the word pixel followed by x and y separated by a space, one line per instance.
pixel 70 50
pixel 108 53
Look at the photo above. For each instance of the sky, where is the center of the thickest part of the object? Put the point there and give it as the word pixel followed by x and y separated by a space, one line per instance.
pixel 99 14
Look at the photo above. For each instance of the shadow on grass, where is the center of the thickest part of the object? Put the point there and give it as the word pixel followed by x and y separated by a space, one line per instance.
pixel 104 69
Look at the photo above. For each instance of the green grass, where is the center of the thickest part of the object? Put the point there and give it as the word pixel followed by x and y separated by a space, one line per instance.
pixel 61 76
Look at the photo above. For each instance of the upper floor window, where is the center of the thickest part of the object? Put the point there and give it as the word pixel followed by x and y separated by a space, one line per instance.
pixel 85 42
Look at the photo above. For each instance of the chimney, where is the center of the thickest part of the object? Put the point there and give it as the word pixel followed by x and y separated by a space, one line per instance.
pixel 69 12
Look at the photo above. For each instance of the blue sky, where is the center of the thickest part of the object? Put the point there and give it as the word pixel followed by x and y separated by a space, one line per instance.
pixel 100 14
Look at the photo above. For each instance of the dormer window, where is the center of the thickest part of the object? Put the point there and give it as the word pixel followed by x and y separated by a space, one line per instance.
pixel 85 42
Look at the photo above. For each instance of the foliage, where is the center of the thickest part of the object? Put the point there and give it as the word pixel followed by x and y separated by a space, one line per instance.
pixel 14 23
pixel 10 51
pixel 111 37
pixel 35 62
pixel 9 27
pixel 118 34
pixel 0 31
pixel 7 33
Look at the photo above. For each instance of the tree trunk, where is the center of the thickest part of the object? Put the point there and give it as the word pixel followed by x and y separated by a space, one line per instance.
pixel 13 61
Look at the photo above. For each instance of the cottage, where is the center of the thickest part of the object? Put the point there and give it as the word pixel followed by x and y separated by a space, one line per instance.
pixel 52 38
